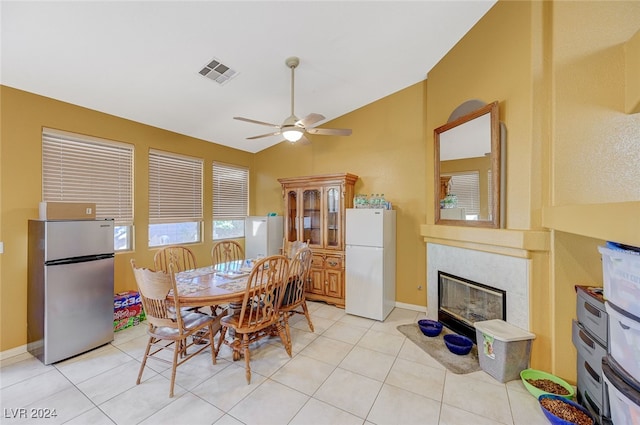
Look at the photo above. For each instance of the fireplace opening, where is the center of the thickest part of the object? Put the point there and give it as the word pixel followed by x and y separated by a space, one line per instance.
pixel 462 302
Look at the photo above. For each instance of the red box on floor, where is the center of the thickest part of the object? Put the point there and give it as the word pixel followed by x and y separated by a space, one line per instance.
pixel 127 310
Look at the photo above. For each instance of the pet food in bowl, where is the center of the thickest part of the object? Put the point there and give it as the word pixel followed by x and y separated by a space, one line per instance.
pixel 538 382
pixel 458 344
pixel 560 411
pixel 430 327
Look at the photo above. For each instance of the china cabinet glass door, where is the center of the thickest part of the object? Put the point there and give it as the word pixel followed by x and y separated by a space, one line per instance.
pixel 291 230
pixel 332 212
pixel 311 216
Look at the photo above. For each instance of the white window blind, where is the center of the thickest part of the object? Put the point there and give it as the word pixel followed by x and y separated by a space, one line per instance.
pixel 175 188
pixel 77 168
pixel 467 188
pixel 230 192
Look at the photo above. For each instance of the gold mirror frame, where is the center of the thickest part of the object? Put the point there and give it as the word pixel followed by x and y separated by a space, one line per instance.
pixel 495 167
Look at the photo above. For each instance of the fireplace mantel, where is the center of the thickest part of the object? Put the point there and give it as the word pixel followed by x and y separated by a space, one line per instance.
pixel 516 243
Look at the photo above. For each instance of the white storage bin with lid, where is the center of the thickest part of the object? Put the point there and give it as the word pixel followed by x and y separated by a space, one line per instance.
pixel 621 277
pixel 503 349
pixel 624 339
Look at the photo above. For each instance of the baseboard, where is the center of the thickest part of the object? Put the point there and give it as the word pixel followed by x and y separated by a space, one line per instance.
pixel 4 355
pixel 413 307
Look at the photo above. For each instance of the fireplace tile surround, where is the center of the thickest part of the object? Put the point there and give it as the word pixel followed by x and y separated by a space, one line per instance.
pixel 511 274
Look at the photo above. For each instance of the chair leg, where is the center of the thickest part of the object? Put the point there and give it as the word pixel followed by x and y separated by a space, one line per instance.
pixel 177 349
pixel 223 331
pixel 283 338
pixel 144 360
pixel 285 318
pixel 245 348
pixel 306 313
pixel 214 352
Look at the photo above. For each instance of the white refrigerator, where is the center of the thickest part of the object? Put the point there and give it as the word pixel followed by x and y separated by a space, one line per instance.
pixel 370 262
pixel 263 236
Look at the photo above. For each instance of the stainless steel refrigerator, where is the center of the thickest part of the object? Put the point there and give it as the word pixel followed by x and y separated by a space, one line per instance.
pixel 370 262
pixel 70 287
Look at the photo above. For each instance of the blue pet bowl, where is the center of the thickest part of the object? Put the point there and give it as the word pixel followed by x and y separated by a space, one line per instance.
pixel 430 327
pixel 559 421
pixel 458 344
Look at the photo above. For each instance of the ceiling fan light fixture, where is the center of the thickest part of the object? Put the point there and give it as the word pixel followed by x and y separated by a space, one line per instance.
pixel 293 134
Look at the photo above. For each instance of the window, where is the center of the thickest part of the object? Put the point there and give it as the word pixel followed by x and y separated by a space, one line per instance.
pixel 230 200
pixel 78 168
pixel 175 199
pixel 466 186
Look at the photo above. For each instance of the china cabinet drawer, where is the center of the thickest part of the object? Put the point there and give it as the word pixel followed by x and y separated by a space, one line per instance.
pixel 334 262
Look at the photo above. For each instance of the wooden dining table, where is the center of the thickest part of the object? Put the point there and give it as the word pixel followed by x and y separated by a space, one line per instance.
pixel 213 285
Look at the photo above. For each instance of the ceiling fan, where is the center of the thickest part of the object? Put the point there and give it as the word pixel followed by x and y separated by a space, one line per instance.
pixel 293 129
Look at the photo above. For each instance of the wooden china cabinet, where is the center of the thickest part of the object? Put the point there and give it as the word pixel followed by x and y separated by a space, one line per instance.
pixel 314 211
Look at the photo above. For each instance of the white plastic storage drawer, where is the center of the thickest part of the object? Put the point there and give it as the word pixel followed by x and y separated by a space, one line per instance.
pixel 622 400
pixel 621 278
pixel 591 313
pixel 624 339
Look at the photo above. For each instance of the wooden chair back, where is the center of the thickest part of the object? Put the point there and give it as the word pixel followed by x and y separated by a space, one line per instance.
pixel 290 248
pixel 299 270
pixel 225 251
pixel 159 306
pixel 264 293
pixel 181 257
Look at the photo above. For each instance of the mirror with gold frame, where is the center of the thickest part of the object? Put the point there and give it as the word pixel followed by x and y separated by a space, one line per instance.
pixel 467 152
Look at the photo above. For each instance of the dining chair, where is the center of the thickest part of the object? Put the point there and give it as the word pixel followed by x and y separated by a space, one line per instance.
pixel 258 315
pixel 181 257
pixel 290 248
pixel 294 298
pixel 225 251
pixel 169 330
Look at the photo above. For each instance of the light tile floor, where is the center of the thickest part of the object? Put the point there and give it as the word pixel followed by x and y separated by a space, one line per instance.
pixel 350 371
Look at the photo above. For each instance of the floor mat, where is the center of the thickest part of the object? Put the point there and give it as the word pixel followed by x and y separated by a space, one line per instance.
pixel 434 346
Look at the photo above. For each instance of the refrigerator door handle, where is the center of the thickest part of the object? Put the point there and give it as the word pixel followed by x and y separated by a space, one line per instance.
pixel 73 260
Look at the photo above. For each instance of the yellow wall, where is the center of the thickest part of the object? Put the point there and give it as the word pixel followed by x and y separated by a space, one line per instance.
pixel 558 70
pixel 595 146
pixel 23 116
pixel 387 151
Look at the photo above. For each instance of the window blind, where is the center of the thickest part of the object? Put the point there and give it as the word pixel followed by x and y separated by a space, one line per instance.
pixel 230 192
pixel 467 187
pixel 77 168
pixel 175 188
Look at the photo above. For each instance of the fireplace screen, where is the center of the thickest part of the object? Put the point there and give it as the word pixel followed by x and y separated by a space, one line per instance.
pixel 462 302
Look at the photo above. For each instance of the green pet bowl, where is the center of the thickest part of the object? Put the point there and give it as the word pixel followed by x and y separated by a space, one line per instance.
pixel 538 374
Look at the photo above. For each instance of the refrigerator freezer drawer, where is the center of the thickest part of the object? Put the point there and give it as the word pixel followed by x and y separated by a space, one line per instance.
pixel 78 308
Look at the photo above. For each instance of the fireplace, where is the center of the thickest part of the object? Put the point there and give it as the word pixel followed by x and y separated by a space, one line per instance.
pixel 461 302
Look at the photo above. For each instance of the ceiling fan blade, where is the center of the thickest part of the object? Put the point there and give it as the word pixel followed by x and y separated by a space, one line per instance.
pixel 264 135
pixel 256 122
pixel 330 131
pixel 304 140
pixel 310 120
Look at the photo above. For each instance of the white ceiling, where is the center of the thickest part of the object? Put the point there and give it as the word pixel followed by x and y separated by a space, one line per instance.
pixel 140 60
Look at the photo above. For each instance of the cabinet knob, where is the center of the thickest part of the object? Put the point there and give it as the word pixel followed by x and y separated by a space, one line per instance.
pixel 333 263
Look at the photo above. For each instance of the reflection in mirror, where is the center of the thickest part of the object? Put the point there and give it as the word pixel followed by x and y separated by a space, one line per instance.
pixel 467 169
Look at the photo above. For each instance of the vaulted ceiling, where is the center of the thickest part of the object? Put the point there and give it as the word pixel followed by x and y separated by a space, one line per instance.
pixel 141 60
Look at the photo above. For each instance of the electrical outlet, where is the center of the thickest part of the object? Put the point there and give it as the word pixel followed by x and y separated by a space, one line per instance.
pixel 88 211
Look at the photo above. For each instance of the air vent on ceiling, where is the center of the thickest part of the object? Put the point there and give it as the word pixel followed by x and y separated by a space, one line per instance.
pixel 218 72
